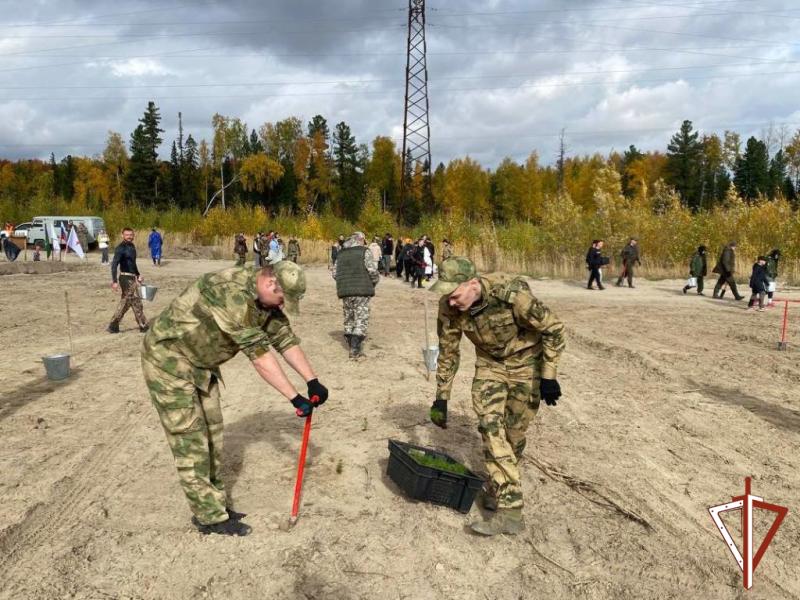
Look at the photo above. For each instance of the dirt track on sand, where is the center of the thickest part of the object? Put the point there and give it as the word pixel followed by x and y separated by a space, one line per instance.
pixel 670 401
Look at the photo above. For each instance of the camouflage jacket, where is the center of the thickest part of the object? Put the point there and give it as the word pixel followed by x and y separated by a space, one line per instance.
pixel 210 322
pixel 509 327
pixel 293 248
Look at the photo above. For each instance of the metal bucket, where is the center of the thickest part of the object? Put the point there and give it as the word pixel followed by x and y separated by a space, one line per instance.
pixel 57 366
pixel 431 356
pixel 148 292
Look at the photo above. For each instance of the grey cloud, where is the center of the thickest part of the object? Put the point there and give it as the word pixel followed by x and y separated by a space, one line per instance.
pixel 502 83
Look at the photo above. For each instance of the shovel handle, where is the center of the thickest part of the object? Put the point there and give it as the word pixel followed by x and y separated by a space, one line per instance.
pixel 298 486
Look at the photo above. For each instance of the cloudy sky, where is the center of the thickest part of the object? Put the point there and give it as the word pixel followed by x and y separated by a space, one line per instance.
pixel 505 76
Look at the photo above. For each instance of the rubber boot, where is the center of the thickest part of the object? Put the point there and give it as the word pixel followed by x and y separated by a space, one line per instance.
pixel 685 289
pixel 144 328
pixel 717 291
pixel 113 327
pixel 229 527
pixel 359 345
pixel 735 292
pixel 505 520
pixel 353 348
pixel 349 339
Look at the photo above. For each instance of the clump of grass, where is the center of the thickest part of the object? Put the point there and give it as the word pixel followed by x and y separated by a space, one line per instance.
pixel 435 462
pixel 339 467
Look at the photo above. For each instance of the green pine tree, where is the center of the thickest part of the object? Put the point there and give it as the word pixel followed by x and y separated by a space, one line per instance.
pixel 751 171
pixel 683 160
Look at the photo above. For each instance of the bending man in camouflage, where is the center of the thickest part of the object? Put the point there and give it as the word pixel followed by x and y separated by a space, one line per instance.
pixel 356 274
pixel 518 342
pixel 221 314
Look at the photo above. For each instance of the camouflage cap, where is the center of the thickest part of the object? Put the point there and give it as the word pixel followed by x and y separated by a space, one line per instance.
pixel 293 281
pixel 452 273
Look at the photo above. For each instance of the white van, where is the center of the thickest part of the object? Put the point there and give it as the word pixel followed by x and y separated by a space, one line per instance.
pixel 34 230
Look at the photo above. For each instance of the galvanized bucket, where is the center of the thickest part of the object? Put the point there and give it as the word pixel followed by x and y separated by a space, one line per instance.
pixel 57 366
pixel 431 356
pixel 148 292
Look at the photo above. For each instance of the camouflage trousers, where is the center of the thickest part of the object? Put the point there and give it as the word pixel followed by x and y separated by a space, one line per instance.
pixel 130 299
pixel 356 315
pixel 506 401
pixel 241 259
pixel 292 257
pixel 192 422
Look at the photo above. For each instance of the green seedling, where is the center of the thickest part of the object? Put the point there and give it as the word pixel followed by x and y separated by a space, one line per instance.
pixel 435 462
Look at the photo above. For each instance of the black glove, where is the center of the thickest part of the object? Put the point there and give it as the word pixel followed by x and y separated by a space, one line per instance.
pixel 438 413
pixel 317 392
pixel 550 391
pixel 303 406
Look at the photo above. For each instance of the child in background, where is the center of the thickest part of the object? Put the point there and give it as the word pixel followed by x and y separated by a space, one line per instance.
pixel 37 253
pixel 759 283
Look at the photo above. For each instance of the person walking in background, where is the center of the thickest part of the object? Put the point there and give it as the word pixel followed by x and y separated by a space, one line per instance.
pixel 418 263
pixel 37 253
pixel 759 283
pixel 408 259
pixel 257 250
pixel 431 252
pixel 447 249
pixel 293 249
pixel 726 268
pixel 240 249
pixel 356 274
pixel 630 258
pixel 129 279
pixel 398 256
pixel 595 262
pixel 335 247
pixel 83 236
pixel 698 267
pixel 376 251
pixel 102 244
pixel 387 249
pixel 154 242
pixel 772 275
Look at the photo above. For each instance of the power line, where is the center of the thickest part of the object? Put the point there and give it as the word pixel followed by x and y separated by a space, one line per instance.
pixel 390 80
pixel 445 90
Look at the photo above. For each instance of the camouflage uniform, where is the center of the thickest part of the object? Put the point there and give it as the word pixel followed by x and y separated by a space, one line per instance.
pixel 356 308
pixel 517 341
pixel 83 236
pixel 293 250
pixel 211 321
pixel 130 299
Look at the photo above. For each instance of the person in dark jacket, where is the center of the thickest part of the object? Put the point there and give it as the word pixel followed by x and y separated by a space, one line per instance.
pixel 240 250
pixel 759 283
pixel 726 268
pixel 408 259
pixel 772 274
pixel 128 279
pixel 387 249
pixel 594 262
pixel 398 257
pixel 630 258
pixel 418 263
pixel 698 267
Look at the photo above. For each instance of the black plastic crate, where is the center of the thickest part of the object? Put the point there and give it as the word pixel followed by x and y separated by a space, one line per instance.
pixel 428 483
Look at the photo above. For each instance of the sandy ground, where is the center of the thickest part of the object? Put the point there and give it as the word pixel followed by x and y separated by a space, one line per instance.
pixel 670 401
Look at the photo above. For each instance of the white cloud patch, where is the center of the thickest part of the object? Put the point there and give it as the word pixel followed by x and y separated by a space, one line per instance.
pixel 138 67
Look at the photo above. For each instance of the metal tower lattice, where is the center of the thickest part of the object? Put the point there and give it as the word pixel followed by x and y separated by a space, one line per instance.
pixel 416 129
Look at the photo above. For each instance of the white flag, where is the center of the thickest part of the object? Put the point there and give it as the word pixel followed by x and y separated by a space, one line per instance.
pixel 55 238
pixel 74 243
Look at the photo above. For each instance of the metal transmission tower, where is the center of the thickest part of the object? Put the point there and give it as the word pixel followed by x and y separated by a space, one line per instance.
pixel 416 129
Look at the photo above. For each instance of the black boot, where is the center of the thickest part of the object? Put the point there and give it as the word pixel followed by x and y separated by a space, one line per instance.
pixel 685 289
pixel 144 328
pixel 359 345
pixel 235 515
pixel 229 527
pixel 353 346
pixel 113 327
pixel 349 339
pixel 735 292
